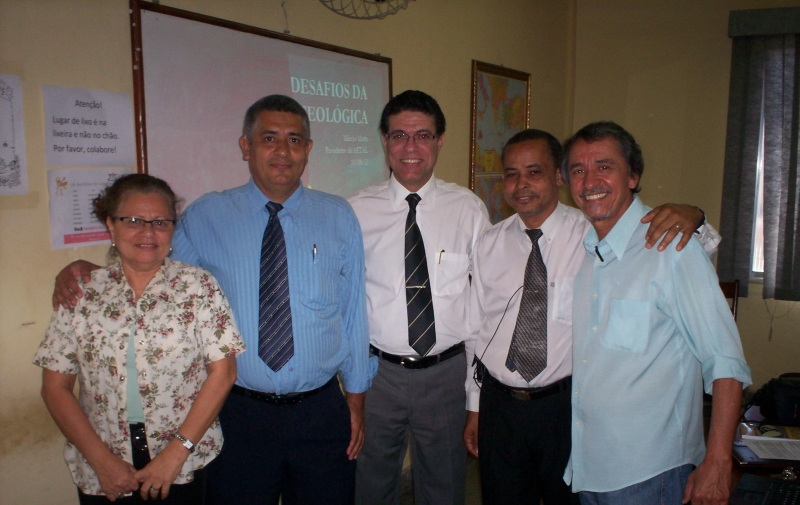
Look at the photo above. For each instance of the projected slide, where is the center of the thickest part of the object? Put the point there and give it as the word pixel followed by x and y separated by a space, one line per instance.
pixel 199 78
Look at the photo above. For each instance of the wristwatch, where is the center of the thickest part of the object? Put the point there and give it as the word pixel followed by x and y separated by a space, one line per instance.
pixel 702 221
pixel 185 441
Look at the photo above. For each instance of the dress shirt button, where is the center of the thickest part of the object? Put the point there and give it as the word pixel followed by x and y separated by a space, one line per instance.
pixel 584 362
pixel 577 423
pixel 122 378
pixel 594 328
pixel 576 392
pixel 594 295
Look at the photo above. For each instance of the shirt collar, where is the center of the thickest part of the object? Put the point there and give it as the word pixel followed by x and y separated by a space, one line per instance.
pixel 259 200
pixel 620 235
pixel 398 193
pixel 156 288
pixel 549 227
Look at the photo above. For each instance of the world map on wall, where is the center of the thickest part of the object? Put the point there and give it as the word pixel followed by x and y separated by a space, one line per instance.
pixel 500 112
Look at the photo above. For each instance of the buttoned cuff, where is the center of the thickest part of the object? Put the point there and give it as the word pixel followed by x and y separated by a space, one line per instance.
pixel 724 367
pixel 360 382
pixel 709 237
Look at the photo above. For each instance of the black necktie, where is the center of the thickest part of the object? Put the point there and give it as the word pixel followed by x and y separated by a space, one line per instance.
pixel 419 304
pixel 275 343
pixel 528 352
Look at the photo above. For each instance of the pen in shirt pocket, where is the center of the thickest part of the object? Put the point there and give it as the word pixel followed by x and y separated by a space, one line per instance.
pixel 314 254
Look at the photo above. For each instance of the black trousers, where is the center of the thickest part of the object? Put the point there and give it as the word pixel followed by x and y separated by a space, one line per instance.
pixel 296 452
pixel 524 448
pixel 191 493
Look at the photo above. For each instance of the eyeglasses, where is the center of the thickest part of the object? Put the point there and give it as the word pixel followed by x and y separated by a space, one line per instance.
pixel 400 138
pixel 137 223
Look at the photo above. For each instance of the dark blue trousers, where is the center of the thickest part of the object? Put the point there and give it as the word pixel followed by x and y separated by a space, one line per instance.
pixel 295 451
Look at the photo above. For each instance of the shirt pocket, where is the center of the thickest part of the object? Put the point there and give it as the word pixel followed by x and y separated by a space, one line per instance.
pixel 450 274
pixel 318 289
pixel 628 326
pixel 562 300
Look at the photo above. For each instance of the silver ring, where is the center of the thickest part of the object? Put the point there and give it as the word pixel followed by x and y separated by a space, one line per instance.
pixel 154 490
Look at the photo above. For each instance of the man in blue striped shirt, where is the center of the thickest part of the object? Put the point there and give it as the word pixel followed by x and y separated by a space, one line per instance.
pixel 287 432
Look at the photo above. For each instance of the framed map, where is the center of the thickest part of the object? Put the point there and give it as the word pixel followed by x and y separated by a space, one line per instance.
pixel 501 100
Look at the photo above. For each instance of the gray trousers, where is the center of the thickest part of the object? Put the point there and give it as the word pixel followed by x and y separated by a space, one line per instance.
pixel 430 404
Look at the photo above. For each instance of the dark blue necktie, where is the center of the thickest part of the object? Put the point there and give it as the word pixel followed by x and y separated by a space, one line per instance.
pixel 419 303
pixel 275 343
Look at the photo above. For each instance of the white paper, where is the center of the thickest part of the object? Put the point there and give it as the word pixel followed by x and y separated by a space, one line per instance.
pixel 87 127
pixel 13 162
pixel 71 193
pixel 773 448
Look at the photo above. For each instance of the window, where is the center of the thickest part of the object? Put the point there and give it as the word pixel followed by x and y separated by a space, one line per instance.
pixel 760 222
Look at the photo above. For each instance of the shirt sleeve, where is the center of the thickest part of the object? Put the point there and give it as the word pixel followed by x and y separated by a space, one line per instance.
pixel 704 318
pixel 182 247
pixel 358 368
pixel 59 349
pixel 476 316
pixel 475 312
pixel 216 329
pixel 709 237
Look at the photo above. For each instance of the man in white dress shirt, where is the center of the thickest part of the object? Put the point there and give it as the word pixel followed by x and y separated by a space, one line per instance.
pixel 419 389
pixel 522 433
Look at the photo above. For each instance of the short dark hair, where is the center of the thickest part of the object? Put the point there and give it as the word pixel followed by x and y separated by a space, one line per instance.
pixel 413 101
pixel 275 103
pixel 600 130
pixel 105 205
pixel 553 143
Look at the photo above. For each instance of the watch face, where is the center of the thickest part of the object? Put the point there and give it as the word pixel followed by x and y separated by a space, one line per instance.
pixel 186 442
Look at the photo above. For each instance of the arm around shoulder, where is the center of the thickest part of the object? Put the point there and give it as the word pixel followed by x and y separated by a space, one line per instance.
pixel 67 289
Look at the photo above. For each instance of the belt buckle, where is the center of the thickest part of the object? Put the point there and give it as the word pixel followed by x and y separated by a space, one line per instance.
pixel 520 395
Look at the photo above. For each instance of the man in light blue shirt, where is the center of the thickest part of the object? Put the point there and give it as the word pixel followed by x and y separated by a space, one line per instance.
pixel 649 330
pixel 288 431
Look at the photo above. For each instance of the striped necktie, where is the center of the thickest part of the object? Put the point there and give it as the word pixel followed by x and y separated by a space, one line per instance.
pixel 419 303
pixel 275 342
pixel 528 352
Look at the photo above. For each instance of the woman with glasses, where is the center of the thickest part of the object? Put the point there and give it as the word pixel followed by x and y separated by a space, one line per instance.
pixel 153 345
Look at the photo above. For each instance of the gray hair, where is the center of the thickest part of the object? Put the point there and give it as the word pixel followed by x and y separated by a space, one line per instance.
pixel 275 103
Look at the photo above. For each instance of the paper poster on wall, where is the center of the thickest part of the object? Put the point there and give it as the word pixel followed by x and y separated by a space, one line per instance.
pixel 88 127
pixel 13 163
pixel 71 193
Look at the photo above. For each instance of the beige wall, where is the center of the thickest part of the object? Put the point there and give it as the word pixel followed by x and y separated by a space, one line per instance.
pixel 661 69
pixel 86 43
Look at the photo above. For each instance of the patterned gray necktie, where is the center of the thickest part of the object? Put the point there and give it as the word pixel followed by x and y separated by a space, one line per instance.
pixel 528 352
pixel 419 302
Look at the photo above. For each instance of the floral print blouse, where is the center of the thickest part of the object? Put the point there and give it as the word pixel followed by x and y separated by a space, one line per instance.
pixel 182 320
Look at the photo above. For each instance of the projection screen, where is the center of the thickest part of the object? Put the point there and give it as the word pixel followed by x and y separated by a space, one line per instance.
pixel 194 77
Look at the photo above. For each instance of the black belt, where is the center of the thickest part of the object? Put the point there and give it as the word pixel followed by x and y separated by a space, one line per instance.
pixel 287 399
pixel 417 362
pixel 526 394
pixel 139 450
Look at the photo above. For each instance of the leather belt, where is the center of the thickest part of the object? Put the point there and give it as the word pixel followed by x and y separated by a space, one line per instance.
pixel 273 399
pixel 527 394
pixel 418 362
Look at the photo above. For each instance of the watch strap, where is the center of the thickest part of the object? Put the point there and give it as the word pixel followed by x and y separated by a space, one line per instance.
pixel 185 442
